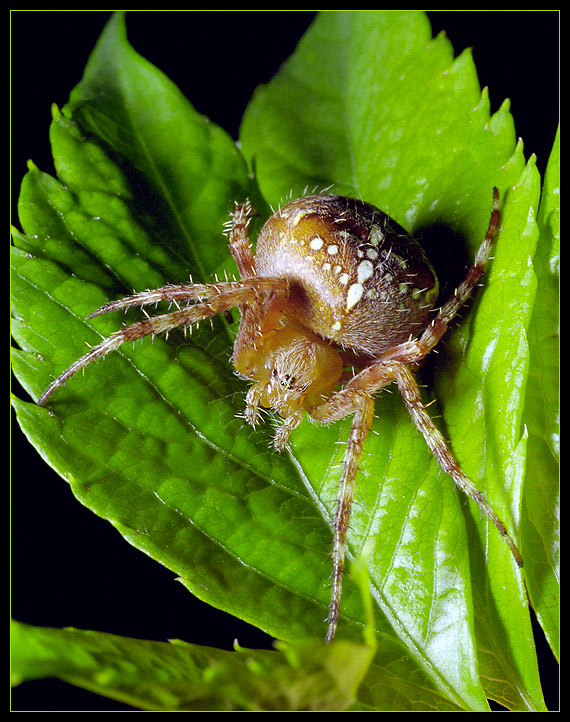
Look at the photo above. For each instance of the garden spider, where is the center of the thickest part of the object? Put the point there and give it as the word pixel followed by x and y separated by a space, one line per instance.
pixel 334 282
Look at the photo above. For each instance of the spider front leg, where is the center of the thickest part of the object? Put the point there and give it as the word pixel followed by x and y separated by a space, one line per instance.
pixel 214 299
pixel 237 230
pixel 360 427
pixel 357 399
pixel 257 319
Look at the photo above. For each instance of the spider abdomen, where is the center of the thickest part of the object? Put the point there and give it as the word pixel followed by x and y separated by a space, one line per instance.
pixel 356 277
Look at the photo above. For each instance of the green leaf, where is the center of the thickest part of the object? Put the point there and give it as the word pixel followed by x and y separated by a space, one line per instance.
pixel 426 173
pixel 541 513
pixel 149 440
pixel 179 676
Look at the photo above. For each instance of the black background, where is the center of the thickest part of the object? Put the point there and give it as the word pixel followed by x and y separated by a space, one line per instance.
pixel 70 568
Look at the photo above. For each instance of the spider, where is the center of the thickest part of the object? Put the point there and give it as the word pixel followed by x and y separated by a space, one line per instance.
pixel 334 283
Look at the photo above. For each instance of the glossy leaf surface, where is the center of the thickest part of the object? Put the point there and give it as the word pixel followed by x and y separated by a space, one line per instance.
pixel 150 440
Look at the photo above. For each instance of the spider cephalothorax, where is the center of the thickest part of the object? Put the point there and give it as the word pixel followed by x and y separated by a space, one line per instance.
pixel 334 280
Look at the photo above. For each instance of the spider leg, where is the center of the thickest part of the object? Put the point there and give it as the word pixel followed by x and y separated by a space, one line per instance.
pixel 222 297
pixel 382 373
pixel 258 318
pixel 239 242
pixel 358 397
pixel 284 430
pixel 416 349
pixel 434 439
pixel 252 404
pixel 241 251
pixel 187 292
pixel 433 333
pixel 360 427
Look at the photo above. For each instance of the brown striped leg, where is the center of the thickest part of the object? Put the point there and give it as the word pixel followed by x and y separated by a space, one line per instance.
pixel 363 402
pixel 434 439
pixel 220 296
pixel 359 431
pixel 239 240
pixel 416 349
